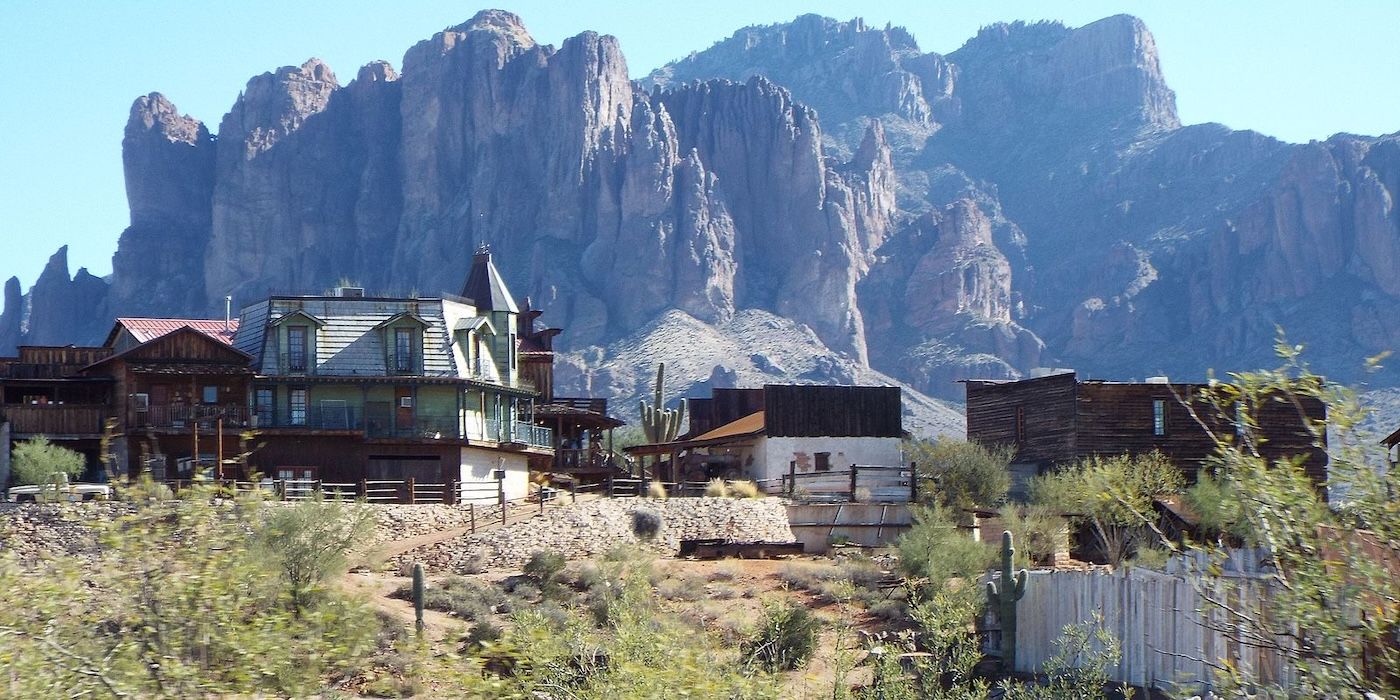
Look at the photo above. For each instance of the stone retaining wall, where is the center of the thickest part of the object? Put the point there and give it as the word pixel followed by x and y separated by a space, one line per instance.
pixel 36 529
pixel 591 529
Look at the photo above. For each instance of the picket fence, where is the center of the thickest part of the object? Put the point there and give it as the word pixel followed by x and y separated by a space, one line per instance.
pixel 1171 636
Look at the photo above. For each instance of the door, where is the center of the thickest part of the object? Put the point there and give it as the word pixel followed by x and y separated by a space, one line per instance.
pixel 403 410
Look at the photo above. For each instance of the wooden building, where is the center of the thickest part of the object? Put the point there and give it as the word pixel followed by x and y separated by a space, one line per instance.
pixel 581 426
pixel 1060 418
pixel 764 434
pixel 347 387
pixel 43 391
pixel 179 392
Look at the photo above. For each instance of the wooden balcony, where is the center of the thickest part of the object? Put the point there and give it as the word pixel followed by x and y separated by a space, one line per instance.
pixel 176 417
pixel 56 419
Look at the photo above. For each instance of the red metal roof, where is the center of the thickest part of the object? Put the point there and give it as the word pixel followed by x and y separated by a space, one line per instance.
pixel 148 329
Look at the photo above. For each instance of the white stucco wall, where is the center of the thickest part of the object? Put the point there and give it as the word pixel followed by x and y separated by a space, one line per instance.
pixel 774 453
pixel 478 465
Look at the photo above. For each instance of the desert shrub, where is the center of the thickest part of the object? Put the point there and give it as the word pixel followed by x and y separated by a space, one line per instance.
pixel 656 489
pixel 37 461
pixel 1153 558
pixel 963 474
pixel 544 570
pixel 744 489
pixel 480 633
pixel 310 542
pixel 936 550
pixel 724 572
pixel 584 577
pixel 682 587
pixel 716 488
pixel 458 596
pixel 1111 496
pixel 1038 530
pixel 646 523
pixel 784 640
pixel 178 604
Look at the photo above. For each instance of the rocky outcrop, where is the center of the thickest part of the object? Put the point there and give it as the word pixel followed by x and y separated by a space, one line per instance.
pixel 11 315
pixel 60 307
pixel 168 159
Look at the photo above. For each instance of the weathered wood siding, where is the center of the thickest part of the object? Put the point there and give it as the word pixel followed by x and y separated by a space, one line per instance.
pixel 1119 418
pixel 804 410
pixel 724 406
pixel 1167 630
pixel 1047 407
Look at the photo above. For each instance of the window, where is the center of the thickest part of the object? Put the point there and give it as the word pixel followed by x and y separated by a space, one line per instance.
pixel 141 402
pixel 263 401
pixel 296 348
pixel 1159 417
pixel 1020 424
pixel 403 349
pixel 297 404
pixel 823 461
pixel 209 394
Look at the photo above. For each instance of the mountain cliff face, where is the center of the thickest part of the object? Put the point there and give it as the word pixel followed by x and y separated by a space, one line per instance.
pixel 1028 200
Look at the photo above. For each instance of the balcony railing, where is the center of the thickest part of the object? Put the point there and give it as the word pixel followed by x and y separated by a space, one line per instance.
pixel 519 432
pixel 55 419
pixel 296 364
pixel 312 418
pixel 426 426
pixel 177 416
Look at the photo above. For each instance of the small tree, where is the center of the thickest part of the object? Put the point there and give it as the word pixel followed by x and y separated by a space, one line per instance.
pixel 310 541
pixel 965 474
pixel 1113 496
pixel 36 461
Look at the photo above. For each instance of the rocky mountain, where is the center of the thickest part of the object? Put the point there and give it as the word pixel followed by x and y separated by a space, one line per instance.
pixel 1125 242
pixel 1028 200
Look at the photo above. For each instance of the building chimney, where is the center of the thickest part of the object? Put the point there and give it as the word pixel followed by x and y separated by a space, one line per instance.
pixel 228 312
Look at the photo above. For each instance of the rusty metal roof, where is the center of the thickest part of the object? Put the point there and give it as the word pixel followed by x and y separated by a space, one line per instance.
pixel 148 329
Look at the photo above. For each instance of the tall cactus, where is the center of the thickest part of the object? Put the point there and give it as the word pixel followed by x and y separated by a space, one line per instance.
pixel 1004 598
pixel 418 598
pixel 661 424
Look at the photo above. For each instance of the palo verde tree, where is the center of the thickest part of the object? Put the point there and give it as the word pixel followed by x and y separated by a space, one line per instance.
pixel 1112 496
pixel 37 461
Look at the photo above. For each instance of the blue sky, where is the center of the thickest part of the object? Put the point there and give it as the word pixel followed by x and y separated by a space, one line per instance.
pixel 70 70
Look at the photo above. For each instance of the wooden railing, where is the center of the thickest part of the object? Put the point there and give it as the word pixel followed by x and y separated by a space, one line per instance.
pixel 55 419
pixel 173 416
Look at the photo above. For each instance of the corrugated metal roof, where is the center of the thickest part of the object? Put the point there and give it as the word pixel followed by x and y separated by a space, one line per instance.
pixel 148 329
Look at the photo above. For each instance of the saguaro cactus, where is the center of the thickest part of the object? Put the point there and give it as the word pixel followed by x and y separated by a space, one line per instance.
pixel 661 424
pixel 418 598
pixel 1004 598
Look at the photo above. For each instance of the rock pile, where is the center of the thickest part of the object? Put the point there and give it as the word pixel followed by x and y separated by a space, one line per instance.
pixel 32 531
pixel 591 529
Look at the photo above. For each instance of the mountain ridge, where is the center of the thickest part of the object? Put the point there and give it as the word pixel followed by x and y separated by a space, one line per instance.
pixel 1029 199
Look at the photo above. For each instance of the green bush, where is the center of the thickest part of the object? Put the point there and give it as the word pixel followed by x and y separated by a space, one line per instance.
pixel 36 461
pixel 785 638
pixel 936 550
pixel 962 474
pixel 309 542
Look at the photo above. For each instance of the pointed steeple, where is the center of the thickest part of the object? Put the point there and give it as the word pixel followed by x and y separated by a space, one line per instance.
pixel 485 286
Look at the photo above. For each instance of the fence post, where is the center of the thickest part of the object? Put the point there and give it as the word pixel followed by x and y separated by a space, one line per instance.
pixel 448 491
pixel 540 492
pixel 282 489
pixel 364 489
pixel 913 482
pixel 792 478
pixel 411 494
pixel 573 492
pixel 471 514
pixel 853 483
pixel 610 486
pixel 501 493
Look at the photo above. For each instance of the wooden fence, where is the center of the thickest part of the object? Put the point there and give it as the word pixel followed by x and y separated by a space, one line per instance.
pixel 865 483
pixel 1170 634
